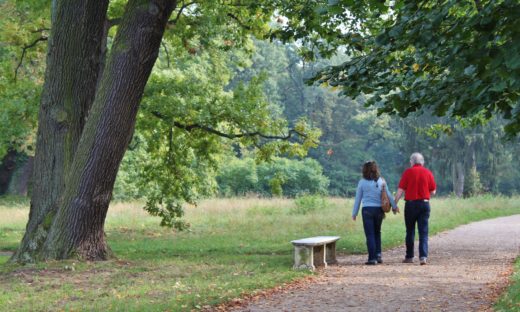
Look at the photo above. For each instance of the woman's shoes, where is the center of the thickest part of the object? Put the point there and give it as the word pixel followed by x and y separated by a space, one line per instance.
pixel 374 262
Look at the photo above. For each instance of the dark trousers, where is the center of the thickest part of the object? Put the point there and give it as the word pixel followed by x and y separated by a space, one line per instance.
pixel 417 211
pixel 372 220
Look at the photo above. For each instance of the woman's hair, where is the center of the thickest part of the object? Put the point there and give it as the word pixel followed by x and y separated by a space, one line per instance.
pixel 370 170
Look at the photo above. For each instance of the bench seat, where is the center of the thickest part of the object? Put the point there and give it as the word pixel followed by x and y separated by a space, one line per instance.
pixel 313 252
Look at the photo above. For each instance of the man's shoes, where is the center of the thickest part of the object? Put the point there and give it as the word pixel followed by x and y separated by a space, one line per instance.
pixel 379 260
pixel 423 261
pixel 371 262
pixel 408 260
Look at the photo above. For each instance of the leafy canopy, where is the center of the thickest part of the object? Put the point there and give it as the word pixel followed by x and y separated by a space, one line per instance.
pixel 460 58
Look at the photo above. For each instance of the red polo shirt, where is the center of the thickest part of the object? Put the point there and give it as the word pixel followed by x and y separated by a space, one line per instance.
pixel 417 182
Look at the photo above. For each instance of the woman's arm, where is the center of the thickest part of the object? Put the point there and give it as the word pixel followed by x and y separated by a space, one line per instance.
pixel 391 198
pixel 357 202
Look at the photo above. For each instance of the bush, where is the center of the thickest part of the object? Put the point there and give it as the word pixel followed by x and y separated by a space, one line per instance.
pixel 281 177
pixel 295 177
pixel 308 203
pixel 237 177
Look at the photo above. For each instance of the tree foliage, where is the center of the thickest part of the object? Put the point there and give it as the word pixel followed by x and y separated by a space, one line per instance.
pixel 451 57
pixel 23 30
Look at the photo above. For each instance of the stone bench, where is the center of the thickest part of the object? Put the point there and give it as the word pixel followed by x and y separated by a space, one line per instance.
pixel 312 252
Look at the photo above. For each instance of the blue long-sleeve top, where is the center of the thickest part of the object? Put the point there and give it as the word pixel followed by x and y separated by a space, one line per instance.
pixel 369 193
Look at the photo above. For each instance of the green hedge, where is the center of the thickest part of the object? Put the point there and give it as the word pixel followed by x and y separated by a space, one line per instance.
pixel 281 177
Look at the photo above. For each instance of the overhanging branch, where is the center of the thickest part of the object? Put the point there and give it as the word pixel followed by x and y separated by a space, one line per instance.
pixel 24 51
pixel 167 54
pixel 192 127
pixel 39 30
pixel 238 21
pixel 181 9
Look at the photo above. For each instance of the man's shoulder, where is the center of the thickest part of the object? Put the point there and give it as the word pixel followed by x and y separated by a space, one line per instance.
pixel 417 170
pixel 409 170
pixel 426 171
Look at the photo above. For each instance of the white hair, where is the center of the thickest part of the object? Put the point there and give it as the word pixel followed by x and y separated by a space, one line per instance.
pixel 417 158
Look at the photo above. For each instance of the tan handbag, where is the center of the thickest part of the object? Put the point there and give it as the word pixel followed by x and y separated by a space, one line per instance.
pixel 385 201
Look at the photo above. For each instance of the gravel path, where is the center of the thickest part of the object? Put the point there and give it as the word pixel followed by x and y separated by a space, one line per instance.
pixel 467 268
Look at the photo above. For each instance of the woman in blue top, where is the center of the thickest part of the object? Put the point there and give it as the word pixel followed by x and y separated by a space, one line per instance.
pixel 369 193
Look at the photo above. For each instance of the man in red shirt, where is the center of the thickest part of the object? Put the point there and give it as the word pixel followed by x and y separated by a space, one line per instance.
pixel 417 183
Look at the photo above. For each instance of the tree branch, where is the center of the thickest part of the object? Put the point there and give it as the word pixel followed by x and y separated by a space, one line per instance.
pixel 39 30
pixel 24 51
pixel 228 135
pixel 238 21
pixel 183 6
pixel 167 54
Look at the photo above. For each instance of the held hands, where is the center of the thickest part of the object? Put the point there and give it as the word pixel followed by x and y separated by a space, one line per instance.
pixel 396 210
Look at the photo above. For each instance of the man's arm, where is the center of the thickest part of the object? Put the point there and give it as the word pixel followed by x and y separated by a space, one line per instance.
pixel 398 196
pixel 433 185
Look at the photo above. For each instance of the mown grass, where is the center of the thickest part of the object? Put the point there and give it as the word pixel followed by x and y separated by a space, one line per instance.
pixel 510 300
pixel 234 247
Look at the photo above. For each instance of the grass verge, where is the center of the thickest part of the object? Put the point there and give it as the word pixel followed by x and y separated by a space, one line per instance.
pixel 234 247
pixel 510 300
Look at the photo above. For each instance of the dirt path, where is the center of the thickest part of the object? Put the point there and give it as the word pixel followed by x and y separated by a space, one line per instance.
pixel 467 267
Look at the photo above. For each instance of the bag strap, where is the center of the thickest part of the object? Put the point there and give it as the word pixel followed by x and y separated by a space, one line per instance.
pixel 383 183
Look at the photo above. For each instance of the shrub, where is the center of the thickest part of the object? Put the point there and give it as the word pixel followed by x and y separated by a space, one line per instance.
pixel 237 177
pixel 308 203
pixel 294 176
pixel 281 177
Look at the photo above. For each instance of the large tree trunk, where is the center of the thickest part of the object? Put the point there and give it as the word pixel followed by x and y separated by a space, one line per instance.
pixel 77 229
pixel 72 71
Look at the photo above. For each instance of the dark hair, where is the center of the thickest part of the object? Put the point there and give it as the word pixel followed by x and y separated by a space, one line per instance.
pixel 370 170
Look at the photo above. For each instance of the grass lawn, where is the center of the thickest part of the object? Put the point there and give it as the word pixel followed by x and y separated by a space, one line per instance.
pixel 510 300
pixel 234 247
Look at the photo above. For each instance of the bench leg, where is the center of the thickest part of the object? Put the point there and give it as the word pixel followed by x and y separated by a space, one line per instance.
pixel 303 257
pixel 330 252
pixel 319 256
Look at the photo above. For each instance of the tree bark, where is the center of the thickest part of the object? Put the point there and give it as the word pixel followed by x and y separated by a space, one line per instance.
pixel 70 83
pixel 78 228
